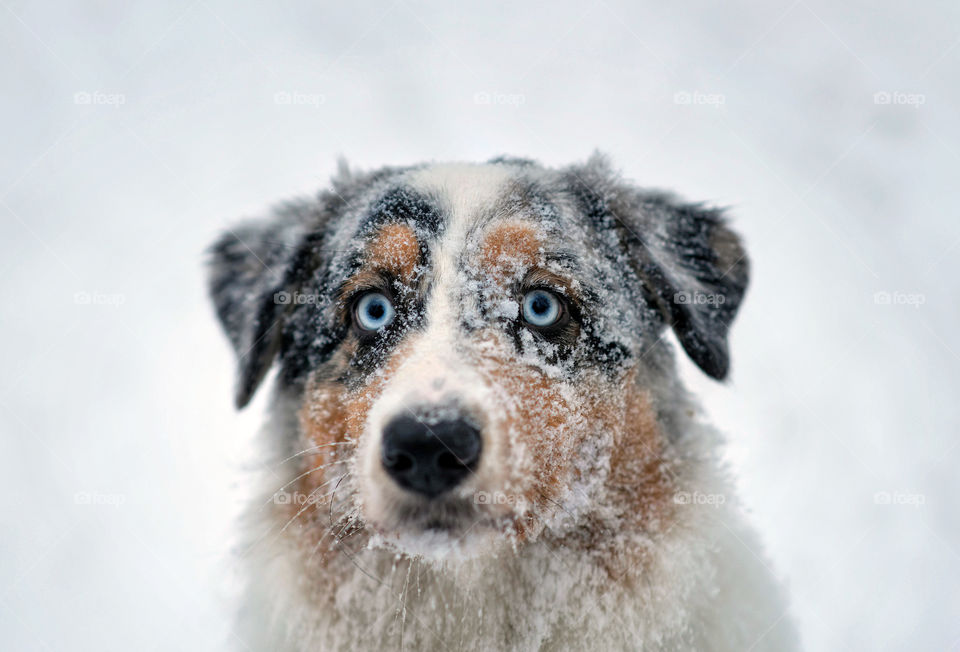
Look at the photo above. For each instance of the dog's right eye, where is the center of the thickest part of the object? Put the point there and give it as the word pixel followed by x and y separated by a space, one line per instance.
pixel 373 311
pixel 542 309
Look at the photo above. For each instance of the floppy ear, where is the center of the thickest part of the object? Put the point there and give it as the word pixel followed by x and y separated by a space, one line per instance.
pixel 693 268
pixel 695 271
pixel 254 271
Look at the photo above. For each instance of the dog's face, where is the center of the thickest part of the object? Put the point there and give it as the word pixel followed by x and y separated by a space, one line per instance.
pixel 468 347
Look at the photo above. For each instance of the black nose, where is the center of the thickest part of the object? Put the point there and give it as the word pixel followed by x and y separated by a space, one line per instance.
pixel 429 458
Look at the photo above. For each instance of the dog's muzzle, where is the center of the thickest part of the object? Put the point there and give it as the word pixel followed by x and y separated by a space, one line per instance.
pixel 430 457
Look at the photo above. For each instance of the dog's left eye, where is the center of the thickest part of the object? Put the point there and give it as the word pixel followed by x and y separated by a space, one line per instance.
pixel 374 311
pixel 542 308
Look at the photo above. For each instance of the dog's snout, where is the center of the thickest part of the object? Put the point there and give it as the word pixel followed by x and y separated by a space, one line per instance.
pixel 429 458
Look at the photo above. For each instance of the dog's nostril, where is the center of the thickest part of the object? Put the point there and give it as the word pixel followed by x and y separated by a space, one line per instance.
pixel 429 458
pixel 398 462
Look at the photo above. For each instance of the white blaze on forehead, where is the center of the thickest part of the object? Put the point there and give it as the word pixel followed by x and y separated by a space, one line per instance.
pixel 434 371
pixel 465 187
pixel 465 192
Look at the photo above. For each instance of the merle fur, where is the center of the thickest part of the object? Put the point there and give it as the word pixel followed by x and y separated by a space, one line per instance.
pixel 670 247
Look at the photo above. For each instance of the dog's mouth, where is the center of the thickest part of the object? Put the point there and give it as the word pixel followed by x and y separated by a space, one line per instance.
pixel 441 525
pixel 438 529
pixel 448 515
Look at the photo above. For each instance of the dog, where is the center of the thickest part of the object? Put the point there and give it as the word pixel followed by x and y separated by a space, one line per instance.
pixel 477 437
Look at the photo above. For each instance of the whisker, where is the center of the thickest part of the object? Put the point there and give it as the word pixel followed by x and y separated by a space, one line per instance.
pixel 349 555
pixel 402 608
pixel 346 550
pixel 309 502
pixel 349 517
pixel 342 477
pixel 314 448
pixel 304 474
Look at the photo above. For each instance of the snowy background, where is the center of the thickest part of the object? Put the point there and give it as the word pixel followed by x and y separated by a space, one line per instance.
pixel 133 132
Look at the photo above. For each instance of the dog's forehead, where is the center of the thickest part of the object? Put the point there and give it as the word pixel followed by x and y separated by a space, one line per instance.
pixel 466 193
pixel 455 205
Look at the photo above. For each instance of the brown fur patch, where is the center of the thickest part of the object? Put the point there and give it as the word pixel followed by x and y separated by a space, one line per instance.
pixel 640 490
pixel 395 249
pixel 331 422
pixel 540 429
pixel 640 477
pixel 328 442
pixel 551 430
pixel 509 248
pixel 538 424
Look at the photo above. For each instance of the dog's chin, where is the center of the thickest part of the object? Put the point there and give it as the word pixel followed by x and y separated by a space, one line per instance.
pixel 443 544
pixel 449 531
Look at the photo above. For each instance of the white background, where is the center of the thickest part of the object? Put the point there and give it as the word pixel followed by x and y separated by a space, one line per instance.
pixel 769 108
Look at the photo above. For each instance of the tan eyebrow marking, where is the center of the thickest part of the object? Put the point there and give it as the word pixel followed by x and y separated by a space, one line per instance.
pixel 510 248
pixel 394 249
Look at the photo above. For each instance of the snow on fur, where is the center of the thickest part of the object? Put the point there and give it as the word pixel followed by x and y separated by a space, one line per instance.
pixel 599 515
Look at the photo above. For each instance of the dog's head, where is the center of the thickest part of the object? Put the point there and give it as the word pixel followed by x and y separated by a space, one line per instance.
pixel 471 348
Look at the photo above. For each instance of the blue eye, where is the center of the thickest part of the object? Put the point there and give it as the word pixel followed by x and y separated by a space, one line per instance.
pixel 541 308
pixel 374 311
